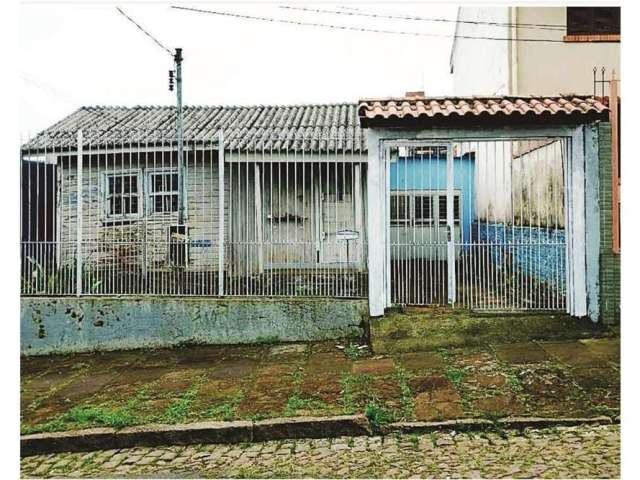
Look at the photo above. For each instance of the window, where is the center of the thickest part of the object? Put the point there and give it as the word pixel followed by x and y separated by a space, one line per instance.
pixel 122 194
pixel 442 209
pixel 593 24
pixel 163 192
pixel 436 151
pixel 400 213
pixel 178 252
pixel 423 209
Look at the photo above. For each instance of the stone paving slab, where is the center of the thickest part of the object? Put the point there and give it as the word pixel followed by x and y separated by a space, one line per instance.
pixel 519 353
pixel 578 377
pixel 606 348
pixel 571 353
pixel 564 452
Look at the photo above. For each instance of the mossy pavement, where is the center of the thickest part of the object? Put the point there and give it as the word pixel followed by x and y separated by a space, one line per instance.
pixel 425 365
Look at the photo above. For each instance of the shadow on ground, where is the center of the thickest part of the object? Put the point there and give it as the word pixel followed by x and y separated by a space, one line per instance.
pixel 425 365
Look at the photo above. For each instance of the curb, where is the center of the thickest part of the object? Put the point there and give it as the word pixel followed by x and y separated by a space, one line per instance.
pixel 265 430
pixel 191 433
pixel 474 424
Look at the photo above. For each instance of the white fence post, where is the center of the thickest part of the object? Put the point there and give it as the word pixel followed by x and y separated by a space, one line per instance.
pixel 376 225
pixel 221 244
pixel 451 253
pixel 79 216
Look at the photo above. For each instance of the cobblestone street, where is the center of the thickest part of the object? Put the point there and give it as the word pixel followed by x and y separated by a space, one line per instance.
pixel 570 452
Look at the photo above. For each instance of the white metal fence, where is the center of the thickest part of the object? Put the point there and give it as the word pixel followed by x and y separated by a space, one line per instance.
pixel 117 213
pixel 479 224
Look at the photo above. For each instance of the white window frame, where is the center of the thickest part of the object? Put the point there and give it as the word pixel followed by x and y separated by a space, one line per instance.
pixel 443 193
pixel 149 195
pixel 427 221
pixel 106 196
pixel 435 208
pixel 404 222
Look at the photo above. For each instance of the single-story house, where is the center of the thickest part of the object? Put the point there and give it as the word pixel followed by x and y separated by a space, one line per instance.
pixel 483 203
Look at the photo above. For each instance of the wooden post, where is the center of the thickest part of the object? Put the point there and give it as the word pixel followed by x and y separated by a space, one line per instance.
pixel 615 162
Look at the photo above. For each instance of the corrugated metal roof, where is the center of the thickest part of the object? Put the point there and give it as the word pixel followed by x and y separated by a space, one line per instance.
pixel 310 128
pixel 445 110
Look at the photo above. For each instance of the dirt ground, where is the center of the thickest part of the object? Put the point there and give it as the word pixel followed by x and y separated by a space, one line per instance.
pixel 575 373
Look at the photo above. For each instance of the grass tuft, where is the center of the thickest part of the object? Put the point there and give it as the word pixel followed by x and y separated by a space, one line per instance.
pixel 407 401
pixel 179 410
pixel 86 416
pixel 378 415
pixel 227 410
pixel 456 375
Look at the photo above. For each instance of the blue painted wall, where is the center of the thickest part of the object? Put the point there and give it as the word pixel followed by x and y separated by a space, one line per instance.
pixel 430 173
pixel 65 325
pixel 538 252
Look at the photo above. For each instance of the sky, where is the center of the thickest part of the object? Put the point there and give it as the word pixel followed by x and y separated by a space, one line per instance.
pixel 75 54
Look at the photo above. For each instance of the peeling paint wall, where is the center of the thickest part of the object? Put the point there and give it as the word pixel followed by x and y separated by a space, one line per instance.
pixel 65 325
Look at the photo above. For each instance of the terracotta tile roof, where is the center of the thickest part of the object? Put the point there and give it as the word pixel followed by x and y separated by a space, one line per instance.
pixel 308 128
pixel 442 110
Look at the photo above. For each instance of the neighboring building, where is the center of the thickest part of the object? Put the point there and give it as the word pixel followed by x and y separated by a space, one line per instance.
pixel 583 38
pixel 522 62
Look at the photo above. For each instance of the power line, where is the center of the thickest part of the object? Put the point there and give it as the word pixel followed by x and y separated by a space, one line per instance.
pixel 359 12
pixel 358 29
pixel 145 32
pixel 46 87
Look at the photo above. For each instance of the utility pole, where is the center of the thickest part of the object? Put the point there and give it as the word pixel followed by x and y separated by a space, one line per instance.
pixel 177 58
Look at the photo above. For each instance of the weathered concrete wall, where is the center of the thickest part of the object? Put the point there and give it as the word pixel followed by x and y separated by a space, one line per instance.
pixel 64 325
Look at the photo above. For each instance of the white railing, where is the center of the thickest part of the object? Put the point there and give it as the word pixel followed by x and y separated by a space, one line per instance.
pixel 479 224
pixel 117 213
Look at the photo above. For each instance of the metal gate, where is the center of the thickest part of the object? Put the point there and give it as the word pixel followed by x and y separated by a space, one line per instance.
pixel 478 224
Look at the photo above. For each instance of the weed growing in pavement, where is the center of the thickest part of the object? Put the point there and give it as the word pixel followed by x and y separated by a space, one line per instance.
pixel 407 403
pixel 84 416
pixel 498 429
pixel 353 351
pixel 295 402
pixel 354 387
pixel 226 410
pixel 297 376
pixel 456 375
pixel 89 463
pixel 378 415
pixel 514 381
pixel 178 411
pixel 605 410
pixel 445 354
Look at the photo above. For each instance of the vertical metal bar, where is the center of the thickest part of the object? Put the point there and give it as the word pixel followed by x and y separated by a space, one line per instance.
pixel 79 216
pixel 23 244
pixel 451 264
pixel 257 192
pixel 221 243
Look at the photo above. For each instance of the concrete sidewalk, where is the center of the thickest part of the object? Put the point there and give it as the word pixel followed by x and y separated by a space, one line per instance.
pixel 574 372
